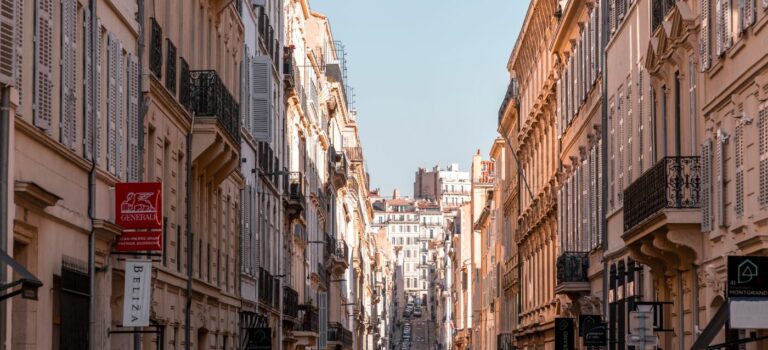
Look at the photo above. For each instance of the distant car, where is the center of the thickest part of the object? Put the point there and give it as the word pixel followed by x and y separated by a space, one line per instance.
pixel 417 313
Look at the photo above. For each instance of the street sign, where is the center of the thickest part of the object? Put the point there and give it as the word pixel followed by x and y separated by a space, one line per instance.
pixel 642 341
pixel 139 205
pixel 748 277
pixel 586 322
pixel 259 339
pixel 564 334
pixel 596 336
pixel 641 322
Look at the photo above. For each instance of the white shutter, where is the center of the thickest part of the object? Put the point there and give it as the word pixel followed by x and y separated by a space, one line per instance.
pixel 133 158
pixel 261 94
pixel 245 240
pixel 640 120
pixel 620 160
pixel 746 14
pixel 630 131
pixel 114 105
pixel 763 148
pixel 705 46
pixel 727 24
pixel 19 40
pixel 599 190
pixel 706 186
pixel 68 102
pixel 594 197
pixel 97 103
pixel 738 145
pixel 44 63
pixel 8 41
pixel 585 205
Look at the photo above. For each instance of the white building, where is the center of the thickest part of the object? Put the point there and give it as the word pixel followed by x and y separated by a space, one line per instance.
pixel 449 187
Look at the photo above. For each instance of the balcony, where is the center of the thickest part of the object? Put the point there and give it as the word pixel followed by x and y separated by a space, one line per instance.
pixel 337 252
pixel 338 335
pixel 354 154
pixel 300 232
pixel 672 185
pixel 211 99
pixel 294 200
pixel 339 168
pixel 289 77
pixel 659 10
pixel 310 321
pixel 268 163
pixel 268 288
pixel 505 341
pixel 290 303
pixel 513 92
pixel 572 272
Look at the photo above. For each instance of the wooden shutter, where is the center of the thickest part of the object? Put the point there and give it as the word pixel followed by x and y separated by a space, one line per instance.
pixel 19 54
pixel 114 104
pixel 620 144
pixel 719 184
pixel 706 186
pixel 245 91
pixel 68 125
pixel 727 31
pixel 8 41
pixel 133 159
pixel 261 93
pixel 763 148
pixel 88 76
pixel 746 14
pixel 97 103
pixel 738 145
pixel 640 120
pixel 705 46
pixel 630 131
pixel 44 62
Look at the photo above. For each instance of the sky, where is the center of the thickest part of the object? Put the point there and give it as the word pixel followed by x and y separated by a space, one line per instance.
pixel 429 77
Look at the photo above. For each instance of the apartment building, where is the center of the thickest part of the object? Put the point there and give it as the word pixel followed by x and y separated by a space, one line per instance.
pixel 449 187
pixel 462 271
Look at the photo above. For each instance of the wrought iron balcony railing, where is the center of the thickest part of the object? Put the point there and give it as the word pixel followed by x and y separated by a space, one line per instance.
pixel 310 321
pixel 210 98
pixel 339 162
pixel 290 302
pixel 513 91
pixel 342 250
pixel 266 287
pixel 673 183
pixel 337 333
pixel 572 267
pixel 659 10
pixel 330 246
pixel 504 341
pixel 268 163
pixel 156 49
pixel 294 186
pixel 354 154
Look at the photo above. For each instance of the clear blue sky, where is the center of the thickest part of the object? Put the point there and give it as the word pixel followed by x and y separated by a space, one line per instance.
pixel 429 77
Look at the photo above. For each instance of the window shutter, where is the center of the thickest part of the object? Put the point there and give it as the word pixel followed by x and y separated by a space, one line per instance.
pixel 585 204
pixel 134 129
pixel 746 14
pixel 261 92
pixel 765 4
pixel 97 103
pixel 19 40
pixel 170 66
pixel 620 160
pixel 593 197
pixel 727 24
pixel 44 61
pixel 599 190
pixel 68 125
pixel 640 120
pixel 114 104
pixel 705 48
pixel 612 15
pixel 630 131
pixel 245 240
pixel 738 145
pixel 720 179
pixel 706 186
pixel 763 147
pixel 88 78
pixel 245 84
pixel 8 41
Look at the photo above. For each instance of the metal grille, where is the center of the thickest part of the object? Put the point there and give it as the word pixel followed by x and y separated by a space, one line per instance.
pixel 572 267
pixel 74 303
pixel 156 49
pixel 170 67
pixel 659 10
pixel 673 183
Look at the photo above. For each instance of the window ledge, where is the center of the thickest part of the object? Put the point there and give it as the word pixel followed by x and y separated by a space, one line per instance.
pixel 760 24
pixel 737 47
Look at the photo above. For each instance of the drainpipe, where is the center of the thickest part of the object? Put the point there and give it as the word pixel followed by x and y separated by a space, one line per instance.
pixel 140 121
pixel 695 311
pixel 92 193
pixel 190 245
pixel 604 151
pixel 4 164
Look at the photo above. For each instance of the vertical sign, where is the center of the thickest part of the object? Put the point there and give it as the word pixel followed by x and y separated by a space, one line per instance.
pixel 564 339
pixel 138 274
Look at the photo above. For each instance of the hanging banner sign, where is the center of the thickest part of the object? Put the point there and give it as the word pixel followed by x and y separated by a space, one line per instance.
pixel 564 329
pixel 747 277
pixel 139 205
pixel 140 241
pixel 138 274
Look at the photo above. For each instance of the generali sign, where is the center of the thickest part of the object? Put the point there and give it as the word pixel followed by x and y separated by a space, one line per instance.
pixel 139 205
pixel 139 211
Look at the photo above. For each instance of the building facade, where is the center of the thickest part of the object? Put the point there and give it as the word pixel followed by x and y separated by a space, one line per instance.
pixel 449 187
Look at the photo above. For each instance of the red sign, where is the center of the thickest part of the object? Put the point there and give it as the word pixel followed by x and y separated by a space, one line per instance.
pixel 139 205
pixel 139 241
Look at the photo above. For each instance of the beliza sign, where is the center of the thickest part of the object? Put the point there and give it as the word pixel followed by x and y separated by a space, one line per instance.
pixel 139 210
pixel 138 274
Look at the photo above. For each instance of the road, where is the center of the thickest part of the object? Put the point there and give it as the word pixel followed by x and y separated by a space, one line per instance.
pixel 421 335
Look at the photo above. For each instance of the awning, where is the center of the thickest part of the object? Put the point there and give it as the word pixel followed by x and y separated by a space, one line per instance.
pixel 28 282
pixel 715 325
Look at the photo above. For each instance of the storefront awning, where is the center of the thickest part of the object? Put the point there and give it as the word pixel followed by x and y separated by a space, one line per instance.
pixel 715 325
pixel 28 282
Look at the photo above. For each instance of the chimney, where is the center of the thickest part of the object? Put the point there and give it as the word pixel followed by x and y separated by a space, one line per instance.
pixel 396 194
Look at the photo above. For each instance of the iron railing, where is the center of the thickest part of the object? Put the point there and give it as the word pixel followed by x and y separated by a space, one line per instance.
pixel 210 98
pixel 659 10
pixel 337 333
pixel 288 73
pixel 504 341
pixel 185 85
pixel 156 49
pixel 294 187
pixel 338 162
pixel 330 246
pixel 170 66
pixel 310 322
pixel 290 302
pixel 572 267
pixel 513 92
pixel 342 250
pixel 354 154
pixel 673 183
pixel 266 287
pixel 268 163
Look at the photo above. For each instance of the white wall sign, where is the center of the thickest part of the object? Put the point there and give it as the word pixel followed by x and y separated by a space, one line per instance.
pixel 138 274
pixel 749 314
